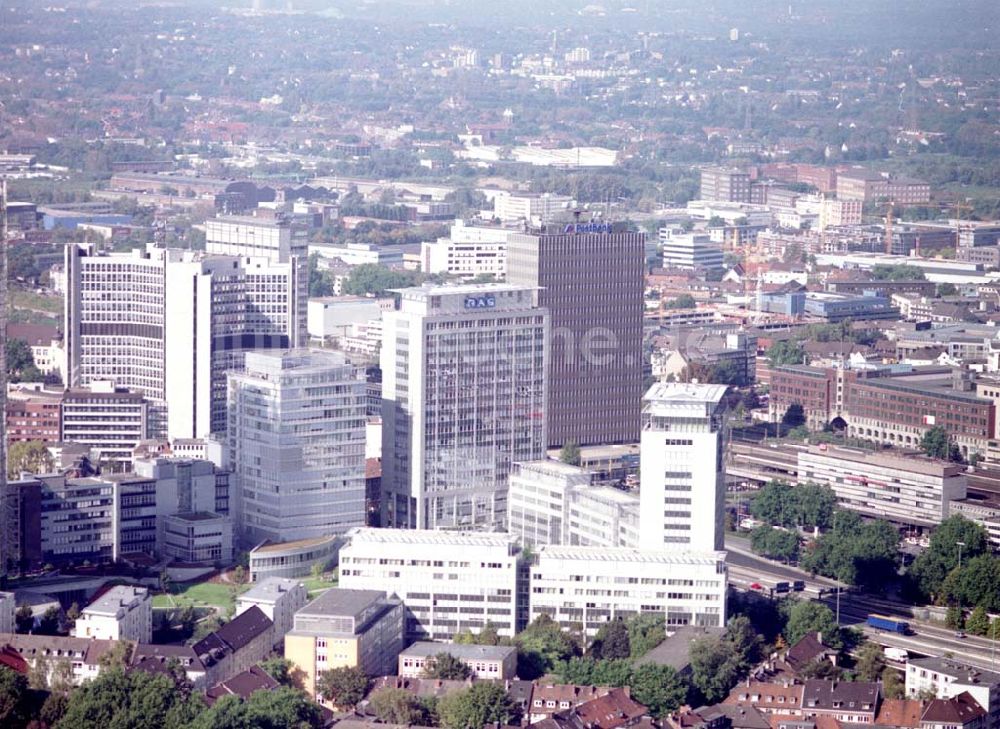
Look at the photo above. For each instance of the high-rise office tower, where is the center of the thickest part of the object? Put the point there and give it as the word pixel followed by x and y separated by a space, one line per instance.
pixel 297 445
pixel 169 323
pixel 590 278
pixel 464 389
pixel 683 492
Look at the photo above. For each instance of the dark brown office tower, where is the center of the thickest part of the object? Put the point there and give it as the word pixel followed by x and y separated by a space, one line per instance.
pixel 591 280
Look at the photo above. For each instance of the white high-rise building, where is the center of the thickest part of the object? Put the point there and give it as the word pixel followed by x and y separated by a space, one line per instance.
pixel 297 445
pixel 273 238
pixel 170 323
pixel 683 489
pixel 464 387
pixel 468 252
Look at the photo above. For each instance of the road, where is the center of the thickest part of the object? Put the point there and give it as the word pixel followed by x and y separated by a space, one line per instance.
pixel 927 638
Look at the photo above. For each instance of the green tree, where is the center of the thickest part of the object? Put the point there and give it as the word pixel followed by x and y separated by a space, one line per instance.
pixel 659 688
pixel 936 443
pixel 13 697
pixel 19 357
pixel 856 552
pixel 376 280
pixel 928 571
pixel 49 624
pixel 397 706
pixel 974 584
pixel 205 627
pixel 541 645
pixel 715 667
pixel 282 708
pixel 645 632
pixel 240 575
pixel 946 289
pixel 570 453
pixel 785 352
pixel 447 667
pixel 30 456
pixel 684 301
pixel 280 669
pixel 813 505
pixel 772 504
pixel 481 704
pixel 612 641
pixel 978 622
pixel 870 662
pixel 898 273
pixel 118 656
pixel 775 543
pixel 583 671
pixel 806 617
pixel 24 619
pixel 320 282
pixel 137 700
pixel 954 618
pixel 892 685
pixel 794 416
pixel 343 687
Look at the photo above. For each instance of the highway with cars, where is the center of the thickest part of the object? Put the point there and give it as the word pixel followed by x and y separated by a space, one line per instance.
pixel 749 572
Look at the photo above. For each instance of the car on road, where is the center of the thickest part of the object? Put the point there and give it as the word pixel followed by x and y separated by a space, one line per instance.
pixel 756 586
pixel 959 634
pixel 799 585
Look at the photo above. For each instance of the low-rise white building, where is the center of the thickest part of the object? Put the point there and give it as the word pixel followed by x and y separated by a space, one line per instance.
pixel 536 208
pixel 494 662
pixel 590 586
pixel 279 598
pixel 196 537
pixel 550 502
pixel 332 316
pixel 81 655
pixel 448 581
pixel 908 490
pixel 948 678
pixel 124 612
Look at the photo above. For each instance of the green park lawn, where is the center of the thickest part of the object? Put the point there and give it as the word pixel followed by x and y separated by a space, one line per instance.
pixel 200 594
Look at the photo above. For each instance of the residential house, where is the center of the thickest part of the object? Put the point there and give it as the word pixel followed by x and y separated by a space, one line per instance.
pixel 779 698
pixel 547 699
pixel 958 712
pixel 237 645
pixel 854 702
pixel 484 661
pixel 242 684
pixel 279 598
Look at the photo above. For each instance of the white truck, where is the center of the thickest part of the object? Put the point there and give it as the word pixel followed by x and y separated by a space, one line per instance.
pixel 896 654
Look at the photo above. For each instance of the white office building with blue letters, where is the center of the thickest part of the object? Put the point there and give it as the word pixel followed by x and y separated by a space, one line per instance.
pixel 464 386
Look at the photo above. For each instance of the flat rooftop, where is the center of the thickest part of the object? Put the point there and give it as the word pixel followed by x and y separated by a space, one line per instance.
pixel 270 589
pixel 293 545
pixel 370 535
pixel 685 392
pixel 627 554
pixel 116 598
pixel 338 601
pixel 426 649
pixel 962 671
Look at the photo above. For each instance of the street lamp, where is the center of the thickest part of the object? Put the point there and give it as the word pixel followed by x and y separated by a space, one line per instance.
pixel 960 545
